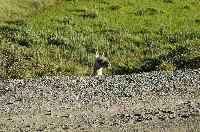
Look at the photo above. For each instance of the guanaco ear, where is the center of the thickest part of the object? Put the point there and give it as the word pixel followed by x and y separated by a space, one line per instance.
pixel 97 54
pixel 103 54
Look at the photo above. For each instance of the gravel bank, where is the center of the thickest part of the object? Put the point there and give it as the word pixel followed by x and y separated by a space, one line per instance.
pixel 140 102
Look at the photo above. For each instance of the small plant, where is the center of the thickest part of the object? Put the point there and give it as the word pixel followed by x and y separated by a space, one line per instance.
pixel 168 1
pixel 197 21
pixel 15 63
pixel 67 20
pixel 186 7
pixel 17 34
pixel 165 66
pixel 150 64
pixel 192 63
pixel 176 54
pixel 89 14
pixel 44 70
pixel 148 11
pixel 21 69
pixel 115 7
pixel 58 40
pixel 129 67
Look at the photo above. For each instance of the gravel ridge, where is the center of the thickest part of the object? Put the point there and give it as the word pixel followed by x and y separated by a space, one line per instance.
pixel 63 103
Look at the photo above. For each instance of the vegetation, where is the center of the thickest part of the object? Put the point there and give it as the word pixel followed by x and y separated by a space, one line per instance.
pixel 137 36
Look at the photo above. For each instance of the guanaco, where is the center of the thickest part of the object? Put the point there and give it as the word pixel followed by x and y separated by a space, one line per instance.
pixel 101 62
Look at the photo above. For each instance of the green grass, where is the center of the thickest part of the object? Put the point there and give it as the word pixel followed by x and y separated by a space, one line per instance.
pixel 136 36
pixel 16 10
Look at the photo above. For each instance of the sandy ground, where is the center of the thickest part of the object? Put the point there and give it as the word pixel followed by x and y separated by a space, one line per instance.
pixel 60 104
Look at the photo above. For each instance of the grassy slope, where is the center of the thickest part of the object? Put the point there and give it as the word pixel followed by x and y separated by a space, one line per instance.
pixel 136 35
pixel 12 10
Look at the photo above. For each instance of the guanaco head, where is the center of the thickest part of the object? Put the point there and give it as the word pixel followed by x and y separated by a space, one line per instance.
pixel 100 63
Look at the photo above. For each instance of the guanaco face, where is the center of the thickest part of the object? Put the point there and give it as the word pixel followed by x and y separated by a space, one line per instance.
pixel 101 62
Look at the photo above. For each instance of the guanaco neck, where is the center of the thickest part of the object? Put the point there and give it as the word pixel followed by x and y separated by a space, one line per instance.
pixel 98 72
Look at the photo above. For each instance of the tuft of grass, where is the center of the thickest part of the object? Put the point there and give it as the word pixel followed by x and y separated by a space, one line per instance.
pixel 89 14
pixel 147 11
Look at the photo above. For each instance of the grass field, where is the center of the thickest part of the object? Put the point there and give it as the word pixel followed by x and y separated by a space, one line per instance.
pixel 136 36
pixel 15 10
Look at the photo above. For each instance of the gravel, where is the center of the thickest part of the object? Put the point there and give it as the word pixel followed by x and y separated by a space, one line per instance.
pixel 103 103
